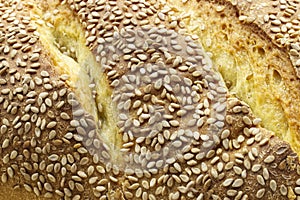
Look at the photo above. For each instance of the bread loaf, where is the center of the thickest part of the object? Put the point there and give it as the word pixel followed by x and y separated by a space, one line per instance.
pixel 149 100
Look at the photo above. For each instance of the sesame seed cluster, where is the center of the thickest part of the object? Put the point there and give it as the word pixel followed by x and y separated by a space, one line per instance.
pixel 182 136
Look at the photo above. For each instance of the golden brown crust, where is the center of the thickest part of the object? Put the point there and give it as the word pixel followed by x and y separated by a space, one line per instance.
pixel 173 146
pixel 7 191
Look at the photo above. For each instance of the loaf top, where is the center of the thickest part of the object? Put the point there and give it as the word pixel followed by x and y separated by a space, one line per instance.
pixel 118 100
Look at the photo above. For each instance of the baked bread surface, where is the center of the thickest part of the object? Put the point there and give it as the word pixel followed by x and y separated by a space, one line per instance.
pixel 69 132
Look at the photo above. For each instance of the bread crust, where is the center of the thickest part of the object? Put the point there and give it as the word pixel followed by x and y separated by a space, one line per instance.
pixel 52 147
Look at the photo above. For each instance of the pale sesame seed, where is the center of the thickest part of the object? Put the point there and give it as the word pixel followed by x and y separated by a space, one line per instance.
pixel 260 193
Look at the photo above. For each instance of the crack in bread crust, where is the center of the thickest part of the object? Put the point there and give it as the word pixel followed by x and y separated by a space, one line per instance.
pixel 256 70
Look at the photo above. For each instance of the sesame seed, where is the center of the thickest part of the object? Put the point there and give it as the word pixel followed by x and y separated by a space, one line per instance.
pixel 237 183
pixel 256 167
pixel 297 190
pixel 269 159
pixel 275 29
pixel 53 157
pixel 5 143
pixel 27 187
pixel 283 190
pixel 260 180
pixel 231 192
pixel 260 193
pixel 51 124
pixel 48 187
